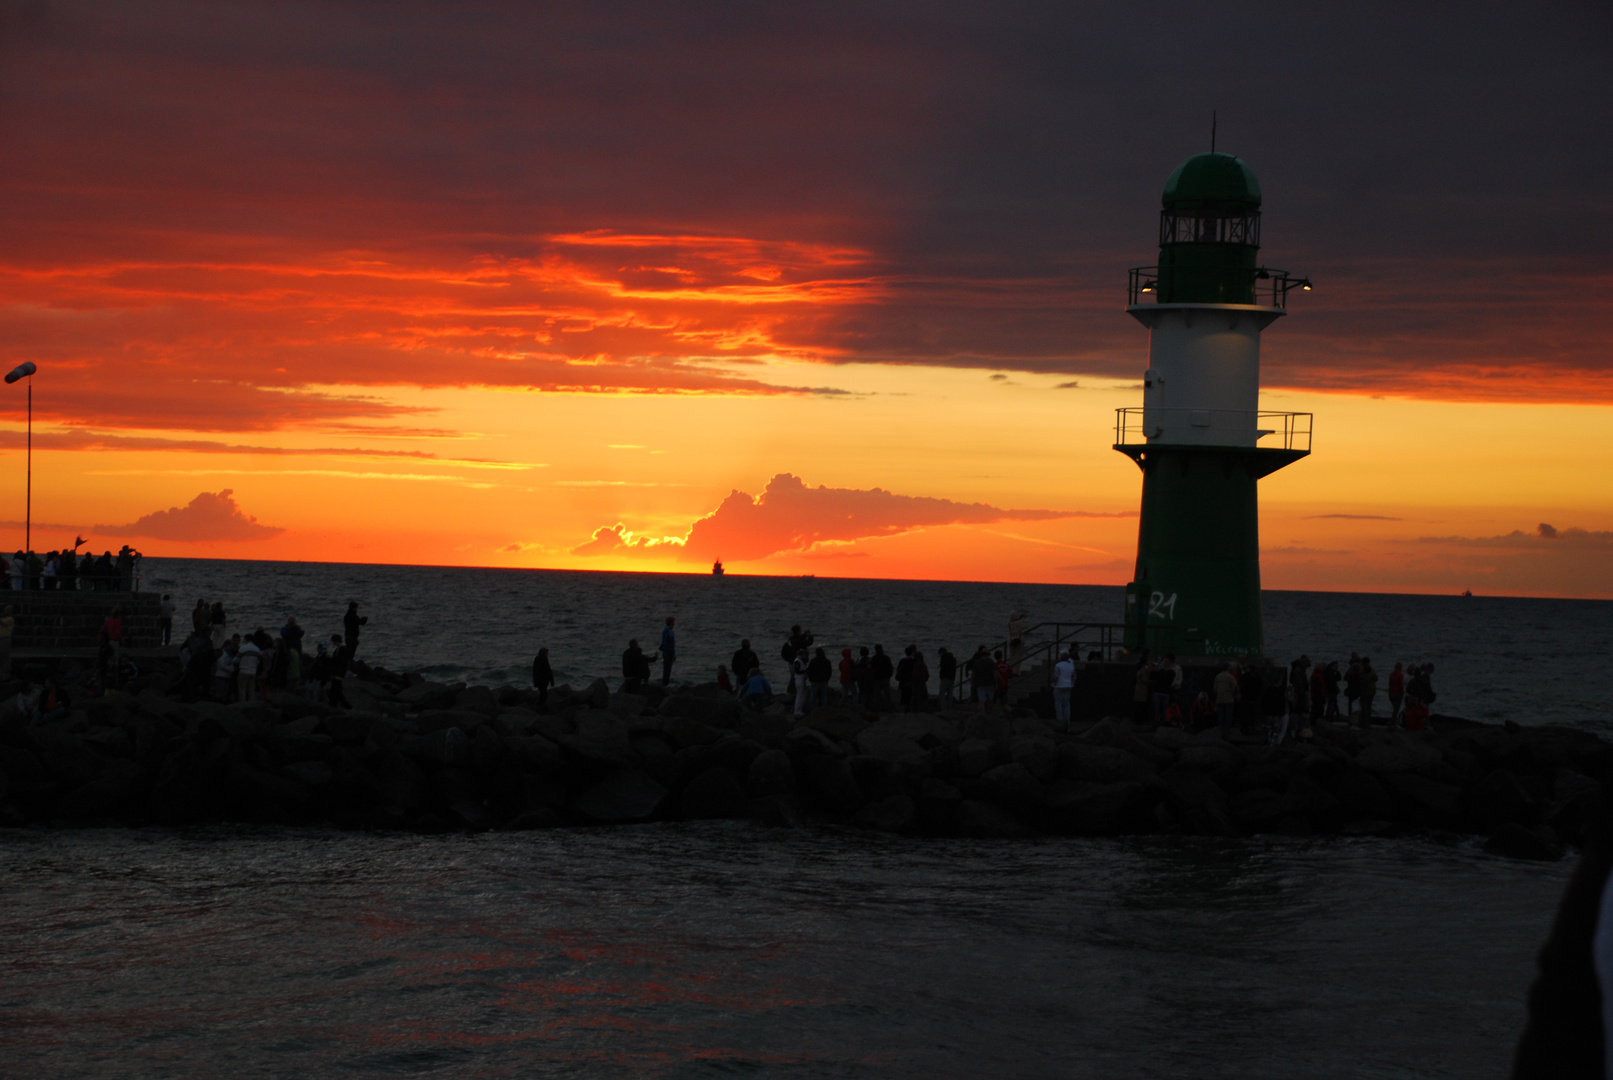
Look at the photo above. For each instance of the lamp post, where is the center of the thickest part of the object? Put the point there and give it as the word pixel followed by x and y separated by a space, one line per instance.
pixel 22 371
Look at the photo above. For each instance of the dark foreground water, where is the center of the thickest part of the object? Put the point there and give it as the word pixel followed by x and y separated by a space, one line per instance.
pixel 1496 658
pixel 724 950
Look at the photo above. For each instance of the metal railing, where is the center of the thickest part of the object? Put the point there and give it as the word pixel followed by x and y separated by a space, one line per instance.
pixel 1142 284
pixel 1292 430
pixel 1081 639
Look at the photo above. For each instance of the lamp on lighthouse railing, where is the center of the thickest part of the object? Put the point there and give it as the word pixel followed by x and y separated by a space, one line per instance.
pixel 22 371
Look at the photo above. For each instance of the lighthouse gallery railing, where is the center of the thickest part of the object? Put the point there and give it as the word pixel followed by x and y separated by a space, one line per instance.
pixel 1292 430
pixel 1142 285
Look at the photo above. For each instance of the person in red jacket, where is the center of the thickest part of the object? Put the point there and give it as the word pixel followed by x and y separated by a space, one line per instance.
pixel 114 634
pixel 848 678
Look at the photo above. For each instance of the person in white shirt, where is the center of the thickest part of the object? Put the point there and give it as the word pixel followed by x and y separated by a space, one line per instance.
pixel 798 668
pixel 1063 683
pixel 246 673
pixel 224 671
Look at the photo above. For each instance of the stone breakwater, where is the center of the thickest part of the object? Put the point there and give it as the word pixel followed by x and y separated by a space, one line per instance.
pixel 423 756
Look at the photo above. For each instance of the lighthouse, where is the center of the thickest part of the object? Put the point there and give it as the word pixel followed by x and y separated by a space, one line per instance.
pixel 1200 437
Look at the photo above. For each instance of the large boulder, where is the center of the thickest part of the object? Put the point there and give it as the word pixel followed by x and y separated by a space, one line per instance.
pixel 1038 753
pixel 830 780
pixel 1498 799
pixel 1425 801
pixel 1216 758
pixel 1013 786
pixel 892 814
pixel 600 737
pixel 1363 795
pixel 1081 808
pixel 533 753
pixel 1199 801
pixel 1102 764
pixel 477 699
pixel 770 775
pixel 623 795
pixel 982 820
pixel 597 696
pixel 936 802
pixel 450 746
pixel 426 695
pixel 975 756
pixel 715 793
pixel 1399 757
pixel 835 723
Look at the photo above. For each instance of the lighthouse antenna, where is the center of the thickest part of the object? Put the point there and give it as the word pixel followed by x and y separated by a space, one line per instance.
pixel 1212 131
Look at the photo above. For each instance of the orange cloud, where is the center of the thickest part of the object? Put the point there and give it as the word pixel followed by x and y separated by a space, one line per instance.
pixel 788 516
pixel 210 516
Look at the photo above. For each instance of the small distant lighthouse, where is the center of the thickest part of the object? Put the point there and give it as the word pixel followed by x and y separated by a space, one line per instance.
pixel 1200 438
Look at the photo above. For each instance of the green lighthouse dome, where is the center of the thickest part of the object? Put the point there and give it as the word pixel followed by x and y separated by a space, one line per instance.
pixel 1209 232
pixel 1212 181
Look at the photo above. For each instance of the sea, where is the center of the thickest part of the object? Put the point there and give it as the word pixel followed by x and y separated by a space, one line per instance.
pixel 731 949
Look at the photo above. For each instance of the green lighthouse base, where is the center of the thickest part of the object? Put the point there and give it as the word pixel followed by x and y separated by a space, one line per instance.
pixel 1196 590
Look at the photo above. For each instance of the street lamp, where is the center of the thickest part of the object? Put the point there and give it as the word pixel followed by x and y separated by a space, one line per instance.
pixel 22 371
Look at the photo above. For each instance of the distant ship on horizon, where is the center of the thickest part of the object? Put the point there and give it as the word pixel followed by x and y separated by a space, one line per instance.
pixel 716 568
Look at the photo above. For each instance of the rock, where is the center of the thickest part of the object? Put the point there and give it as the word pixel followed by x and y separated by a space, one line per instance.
pixel 477 699
pixel 1216 758
pixel 1038 753
pixel 730 752
pixel 877 778
pixel 936 802
pixel 654 756
pixel 1499 799
pixel 768 730
pixel 770 775
pixel 597 696
pixel 1013 786
pixel 686 732
pixel 1521 842
pixel 1569 784
pixel 893 814
pixel 118 781
pixel 831 780
pixel 466 720
pixel 623 795
pixel 1200 801
pixel 471 814
pixel 601 737
pixel 1080 808
pixel 1425 801
pixel 975 756
pixel 542 818
pixel 425 695
pixel 715 793
pixel 1113 733
pixel 533 753
pixel 1308 799
pixel 804 740
pixel 450 746
pixel 519 719
pixel 628 706
pixel 486 750
pixel 834 723
pixel 1363 794
pixel 987 822
pixel 1399 757
pixel 66 757
pixel 1101 764
pixel 316 774
pixel 1256 809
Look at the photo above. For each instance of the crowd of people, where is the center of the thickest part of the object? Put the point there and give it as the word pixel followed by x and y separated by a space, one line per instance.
pixel 1288 701
pixel 64 571
pixel 226 667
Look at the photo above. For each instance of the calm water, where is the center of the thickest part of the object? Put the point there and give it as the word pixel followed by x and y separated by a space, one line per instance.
pixel 1532 661
pixel 721 950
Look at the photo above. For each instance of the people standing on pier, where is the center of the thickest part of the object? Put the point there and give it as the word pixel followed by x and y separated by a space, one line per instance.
pixel 291 636
pixel 1226 698
pixel 1397 693
pixel 724 683
pixel 757 692
pixel 669 650
pixel 1251 692
pixel 1299 685
pixel 1063 686
pixel 947 669
pixel 350 626
pixel 743 660
pixel 165 620
pixel 86 573
pixel 904 680
pixel 848 679
pixel 224 673
pixel 341 655
pixel 1332 679
pixel 881 669
pixel 1369 690
pixel 216 622
pixel 1005 674
pixel 1352 690
pixel 19 567
pixel 67 572
pixel 542 676
pixel 798 679
pixel 867 695
pixel 635 667
pixel 1141 683
pixel 918 682
pixel 246 668
pixel 818 671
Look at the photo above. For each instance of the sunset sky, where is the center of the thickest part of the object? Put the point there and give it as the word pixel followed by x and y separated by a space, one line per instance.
pixel 813 288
